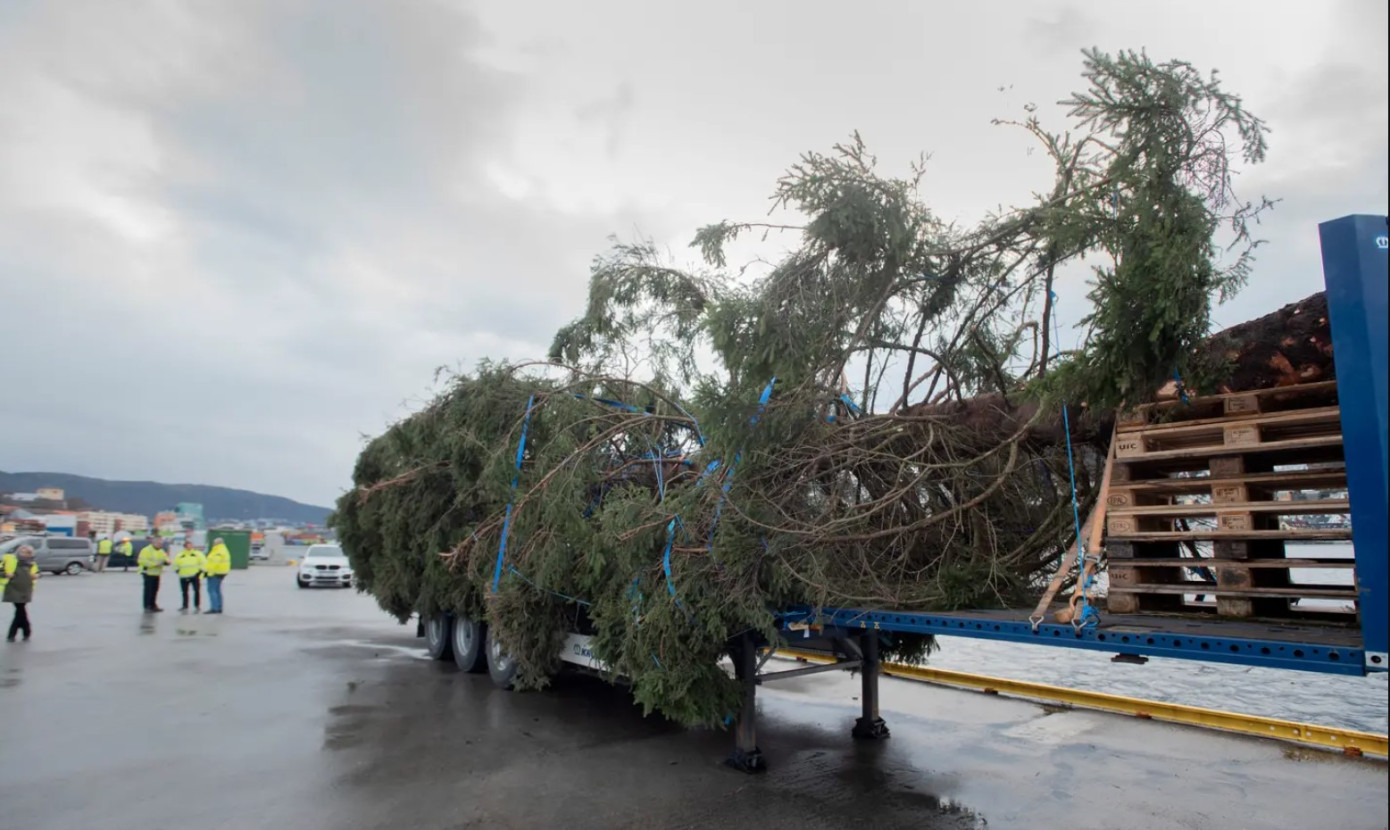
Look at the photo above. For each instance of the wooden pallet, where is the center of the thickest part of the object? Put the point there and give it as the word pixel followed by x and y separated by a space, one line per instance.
pixel 1198 506
pixel 1224 489
pixel 1302 429
pixel 1252 578
pixel 1276 399
pixel 1241 519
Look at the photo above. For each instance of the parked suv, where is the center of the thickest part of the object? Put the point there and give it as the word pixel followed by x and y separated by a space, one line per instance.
pixel 325 565
pixel 58 554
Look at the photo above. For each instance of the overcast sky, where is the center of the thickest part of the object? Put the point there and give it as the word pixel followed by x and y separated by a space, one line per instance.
pixel 237 236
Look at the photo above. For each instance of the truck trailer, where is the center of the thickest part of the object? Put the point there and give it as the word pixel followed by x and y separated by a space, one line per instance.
pixel 1354 250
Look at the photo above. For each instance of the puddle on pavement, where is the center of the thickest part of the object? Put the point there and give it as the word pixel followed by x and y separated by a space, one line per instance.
pixel 346 723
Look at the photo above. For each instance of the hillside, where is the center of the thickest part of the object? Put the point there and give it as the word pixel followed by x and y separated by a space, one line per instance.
pixel 149 497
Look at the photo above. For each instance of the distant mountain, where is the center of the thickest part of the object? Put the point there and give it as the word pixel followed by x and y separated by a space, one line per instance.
pixel 149 497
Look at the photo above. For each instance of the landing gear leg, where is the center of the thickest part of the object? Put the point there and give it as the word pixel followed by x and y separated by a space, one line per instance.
pixel 746 755
pixel 870 726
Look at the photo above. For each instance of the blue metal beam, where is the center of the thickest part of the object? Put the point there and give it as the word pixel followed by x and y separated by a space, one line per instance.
pixel 1354 261
pixel 1274 654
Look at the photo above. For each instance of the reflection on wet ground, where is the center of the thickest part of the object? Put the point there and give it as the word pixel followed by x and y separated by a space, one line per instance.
pixel 317 711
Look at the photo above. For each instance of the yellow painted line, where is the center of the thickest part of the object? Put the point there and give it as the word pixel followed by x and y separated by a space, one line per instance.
pixel 1348 741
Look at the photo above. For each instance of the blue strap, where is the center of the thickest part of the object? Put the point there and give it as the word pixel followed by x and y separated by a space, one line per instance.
pixel 1088 615
pixel 666 556
pixel 516 479
pixel 1182 389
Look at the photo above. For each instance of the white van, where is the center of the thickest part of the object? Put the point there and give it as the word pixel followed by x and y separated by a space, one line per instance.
pixel 56 554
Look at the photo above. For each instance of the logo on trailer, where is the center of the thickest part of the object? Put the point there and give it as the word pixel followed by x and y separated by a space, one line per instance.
pixel 1383 242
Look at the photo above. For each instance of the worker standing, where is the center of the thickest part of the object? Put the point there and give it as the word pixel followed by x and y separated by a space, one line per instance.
pixel 219 564
pixel 153 560
pixel 189 565
pixel 126 549
pixel 103 553
pixel 18 573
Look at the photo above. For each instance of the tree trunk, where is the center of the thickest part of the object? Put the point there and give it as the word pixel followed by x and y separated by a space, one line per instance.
pixel 1292 345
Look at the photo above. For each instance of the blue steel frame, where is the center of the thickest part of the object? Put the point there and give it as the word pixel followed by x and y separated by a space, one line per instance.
pixel 1355 268
pixel 1274 654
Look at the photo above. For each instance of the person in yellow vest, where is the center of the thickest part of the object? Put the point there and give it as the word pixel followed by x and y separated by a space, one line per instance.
pixel 219 564
pixel 18 573
pixel 189 564
pixel 104 548
pixel 126 549
pixel 153 561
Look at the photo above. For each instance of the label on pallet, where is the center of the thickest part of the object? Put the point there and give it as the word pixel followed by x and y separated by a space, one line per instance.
pixel 1129 446
pixel 1121 525
pixel 1234 521
pixel 1228 493
pixel 1120 575
pixel 1242 404
pixel 1241 435
pixel 1120 499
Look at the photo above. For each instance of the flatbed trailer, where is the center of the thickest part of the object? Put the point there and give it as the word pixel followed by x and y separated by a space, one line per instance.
pixel 1356 273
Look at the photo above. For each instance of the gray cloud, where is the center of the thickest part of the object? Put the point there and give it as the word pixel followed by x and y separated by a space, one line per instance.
pixel 236 236
pixel 1061 31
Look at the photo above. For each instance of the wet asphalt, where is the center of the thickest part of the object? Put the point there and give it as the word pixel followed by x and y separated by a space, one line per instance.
pixel 312 709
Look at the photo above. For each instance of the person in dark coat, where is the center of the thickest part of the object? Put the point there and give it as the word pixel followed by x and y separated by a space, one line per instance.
pixel 18 573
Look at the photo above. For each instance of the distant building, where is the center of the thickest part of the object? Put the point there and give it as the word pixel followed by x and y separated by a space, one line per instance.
pixel 23 498
pixel 50 493
pixel 132 522
pixel 103 523
pixel 167 517
pixel 191 512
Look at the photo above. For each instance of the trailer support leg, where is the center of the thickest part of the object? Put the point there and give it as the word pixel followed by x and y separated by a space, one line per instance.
pixel 746 756
pixel 869 726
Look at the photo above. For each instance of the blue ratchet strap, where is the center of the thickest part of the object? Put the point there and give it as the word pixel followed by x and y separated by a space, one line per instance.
pixel 666 556
pixel 1182 389
pixel 1088 615
pixel 516 479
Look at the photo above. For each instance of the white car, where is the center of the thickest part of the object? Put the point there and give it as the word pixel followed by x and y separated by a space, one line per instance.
pixel 324 565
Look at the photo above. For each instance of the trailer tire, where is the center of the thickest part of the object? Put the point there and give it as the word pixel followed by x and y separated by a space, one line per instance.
pixel 500 665
pixel 438 637
pixel 470 652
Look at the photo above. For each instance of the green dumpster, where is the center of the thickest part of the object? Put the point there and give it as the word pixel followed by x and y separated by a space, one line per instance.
pixel 238 544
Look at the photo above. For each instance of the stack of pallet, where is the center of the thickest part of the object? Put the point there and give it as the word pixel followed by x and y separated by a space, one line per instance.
pixel 1209 507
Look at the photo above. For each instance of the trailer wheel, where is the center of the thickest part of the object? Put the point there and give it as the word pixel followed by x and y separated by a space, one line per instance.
pixel 438 643
pixel 500 665
pixel 469 652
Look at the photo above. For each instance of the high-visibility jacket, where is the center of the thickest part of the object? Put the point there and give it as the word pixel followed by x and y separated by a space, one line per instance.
pixel 189 562
pixel 219 561
pixel 104 547
pixel 125 548
pixel 9 563
pixel 153 560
